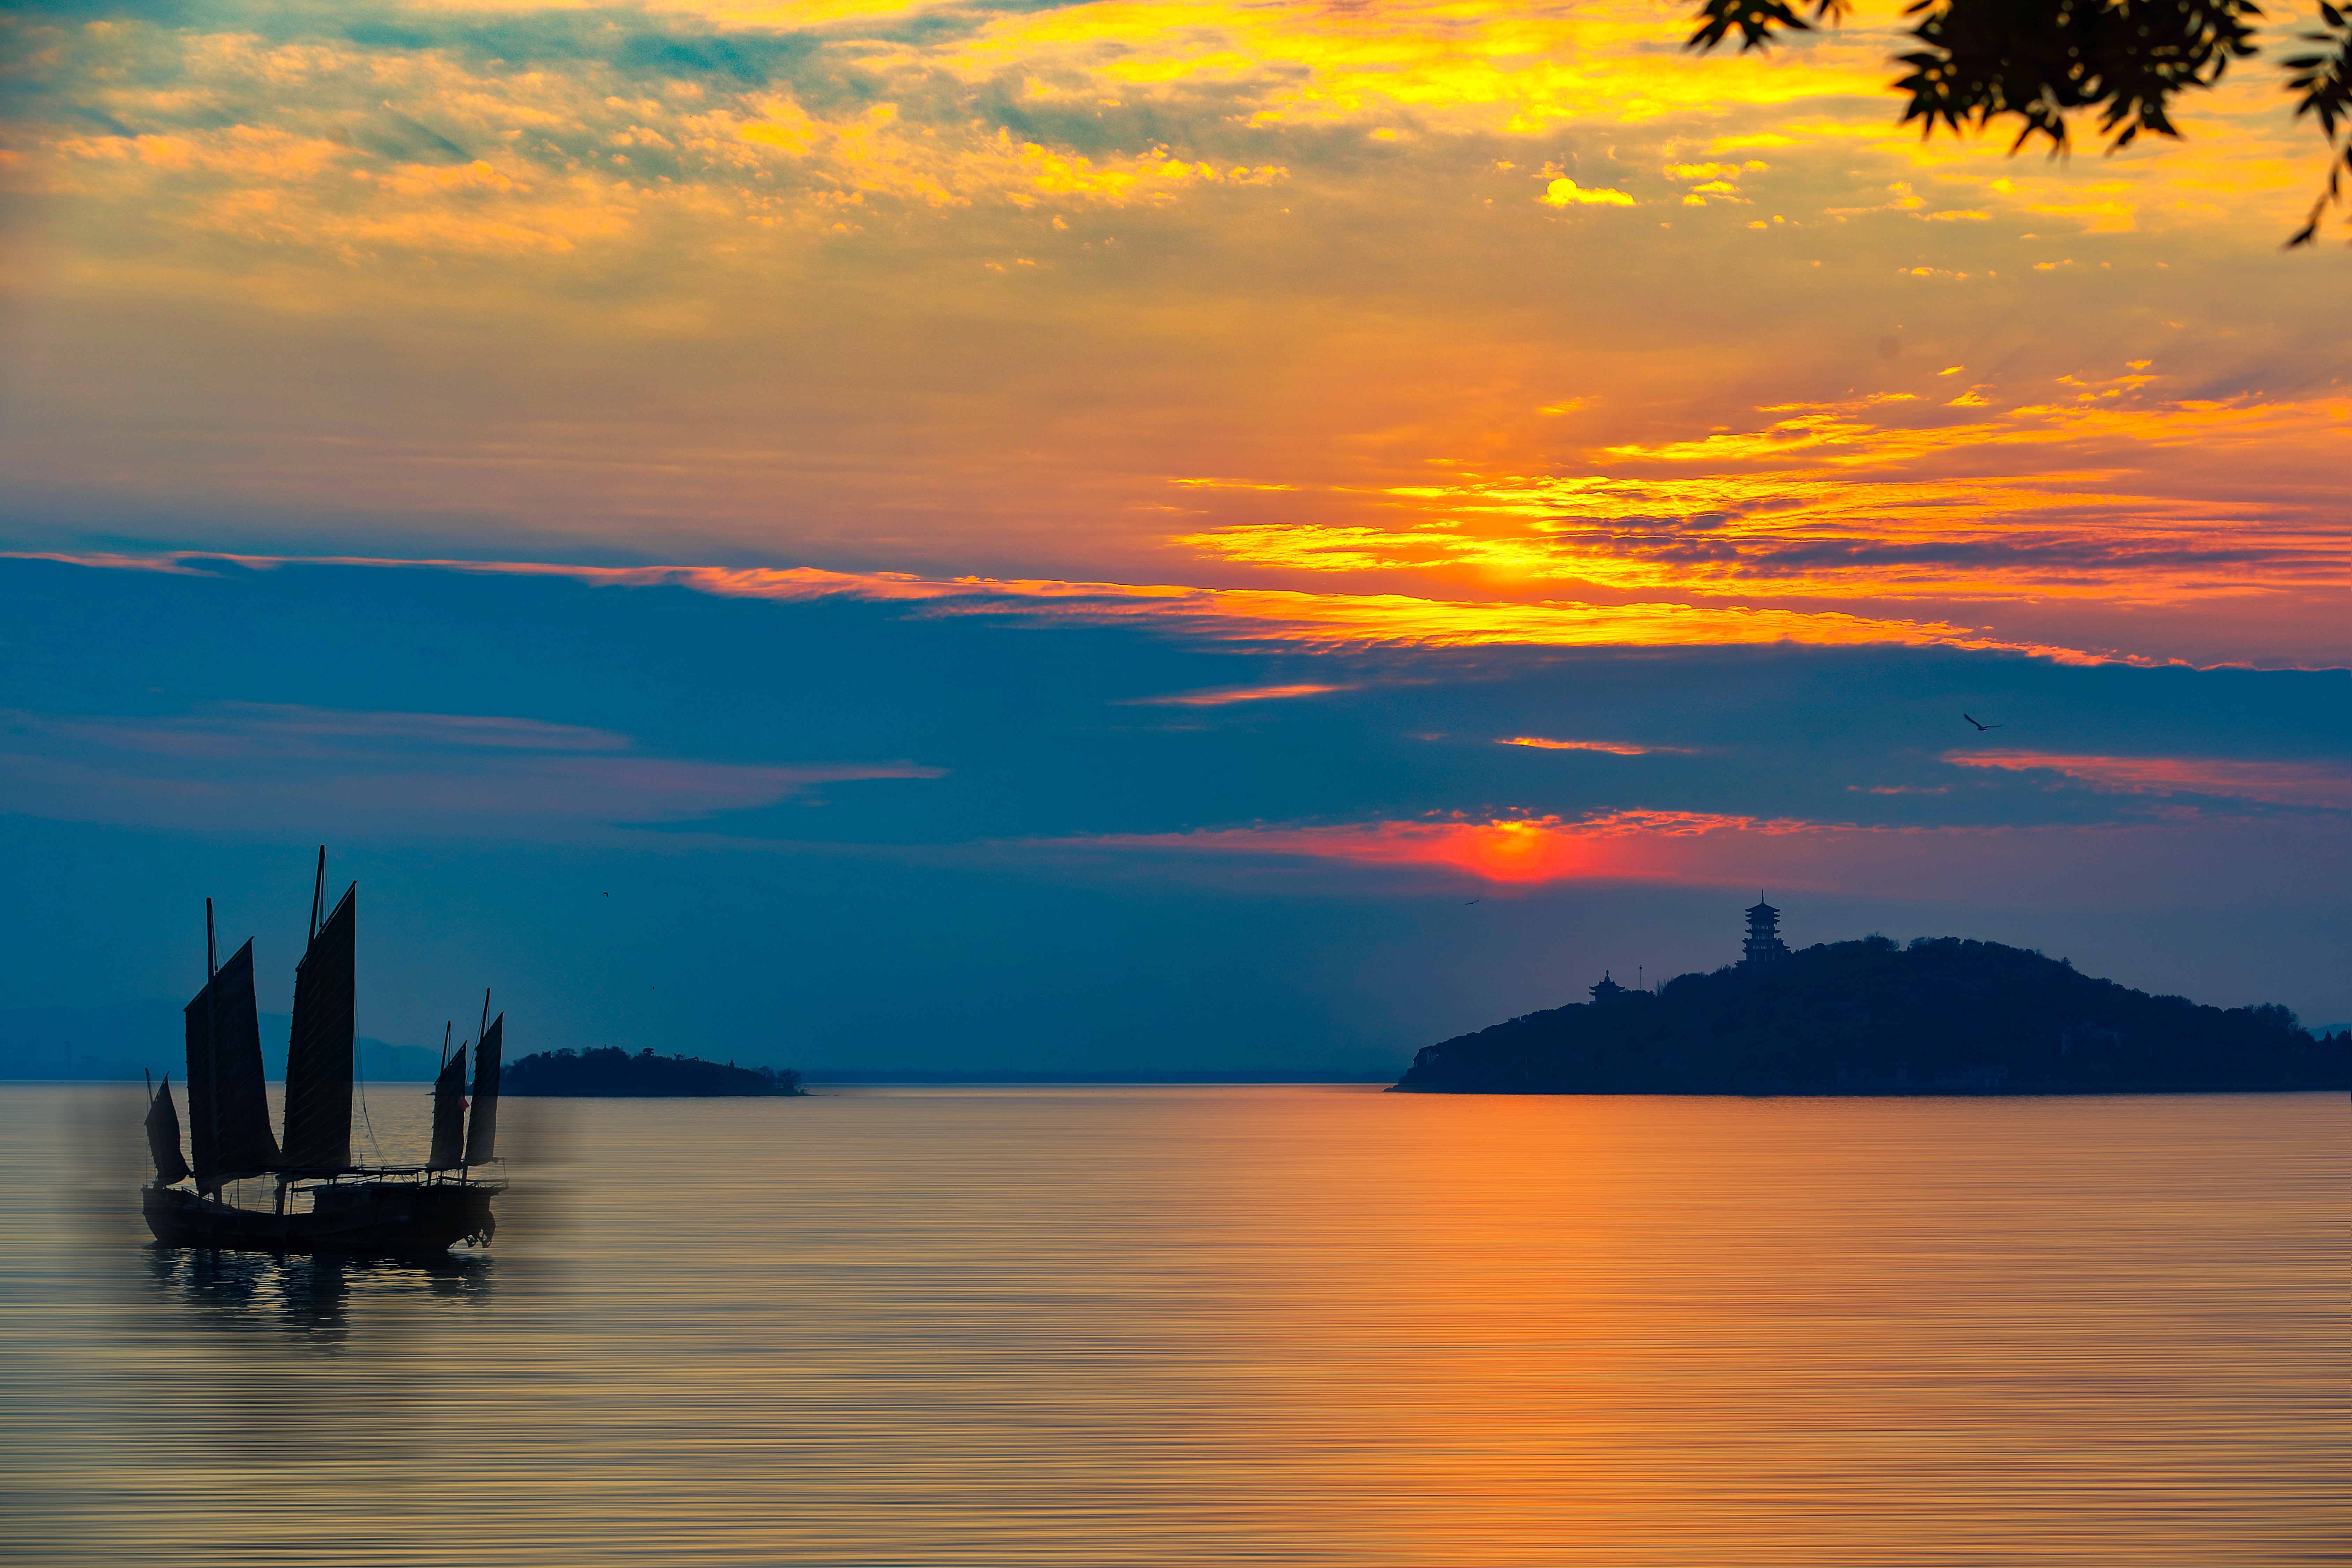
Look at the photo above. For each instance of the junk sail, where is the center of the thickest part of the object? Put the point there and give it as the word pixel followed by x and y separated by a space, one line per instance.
pixel 164 1136
pixel 228 1109
pixel 482 1133
pixel 319 1056
pixel 449 1115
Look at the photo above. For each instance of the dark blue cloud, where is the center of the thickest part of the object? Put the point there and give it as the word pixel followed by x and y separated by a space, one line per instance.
pixel 1043 732
pixel 646 41
pixel 752 60
pixel 168 13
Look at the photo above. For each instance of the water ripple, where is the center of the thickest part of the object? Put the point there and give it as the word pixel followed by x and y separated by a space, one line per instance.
pixel 1219 1325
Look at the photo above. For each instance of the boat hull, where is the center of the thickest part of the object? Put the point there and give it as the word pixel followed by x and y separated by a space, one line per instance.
pixel 384 1219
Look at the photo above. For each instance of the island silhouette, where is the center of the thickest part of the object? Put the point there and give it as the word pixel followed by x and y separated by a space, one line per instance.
pixel 612 1073
pixel 1942 1016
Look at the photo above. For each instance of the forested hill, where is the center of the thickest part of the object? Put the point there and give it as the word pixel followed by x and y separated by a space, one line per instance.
pixel 613 1073
pixel 1939 1017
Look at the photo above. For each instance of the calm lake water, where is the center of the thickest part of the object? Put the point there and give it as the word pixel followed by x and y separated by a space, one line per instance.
pixel 1219 1325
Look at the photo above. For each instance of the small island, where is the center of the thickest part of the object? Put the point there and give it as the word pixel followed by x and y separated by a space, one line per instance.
pixel 612 1073
pixel 1941 1015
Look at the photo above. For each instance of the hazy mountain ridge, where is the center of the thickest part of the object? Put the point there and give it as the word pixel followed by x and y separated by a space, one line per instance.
pixel 1943 1015
pixel 122 1039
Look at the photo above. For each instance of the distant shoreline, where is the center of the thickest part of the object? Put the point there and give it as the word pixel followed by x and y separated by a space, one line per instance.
pixel 877 1081
pixel 820 1084
pixel 1103 1077
pixel 828 1079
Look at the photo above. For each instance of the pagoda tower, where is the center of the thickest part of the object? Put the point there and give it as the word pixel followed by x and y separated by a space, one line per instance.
pixel 1764 944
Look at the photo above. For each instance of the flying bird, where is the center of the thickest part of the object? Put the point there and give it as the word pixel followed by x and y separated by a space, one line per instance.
pixel 1468 902
pixel 1971 719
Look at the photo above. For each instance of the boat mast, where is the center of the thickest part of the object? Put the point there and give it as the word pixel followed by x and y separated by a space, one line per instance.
pixel 318 894
pixel 212 1084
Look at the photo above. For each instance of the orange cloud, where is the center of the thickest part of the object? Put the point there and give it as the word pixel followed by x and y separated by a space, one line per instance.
pixel 1647 846
pixel 2195 861
pixel 1238 614
pixel 1615 748
pixel 2275 782
pixel 2110 494
pixel 1106 182
pixel 1224 695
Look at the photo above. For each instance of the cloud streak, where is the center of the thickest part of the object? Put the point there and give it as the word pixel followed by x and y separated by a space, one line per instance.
pixel 288 729
pixel 257 767
pixel 2190 861
pixel 1233 615
pixel 2131 496
pixel 1224 696
pixel 1615 748
pixel 1648 846
pixel 2322 785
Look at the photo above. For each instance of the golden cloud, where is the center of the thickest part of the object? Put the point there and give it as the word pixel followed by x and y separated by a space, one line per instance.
pixel 271 140
pixel 1417 274
pixel 2110 493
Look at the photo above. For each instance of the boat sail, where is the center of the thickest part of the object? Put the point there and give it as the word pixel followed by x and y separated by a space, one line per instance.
pixel 482 1127
pixel 449 1115
pixel 228 1106
pixel 164 1136
pixel 383 1209
pixel 319 1056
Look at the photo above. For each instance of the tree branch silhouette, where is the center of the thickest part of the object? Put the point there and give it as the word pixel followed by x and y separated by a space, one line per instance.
pixel 2043 63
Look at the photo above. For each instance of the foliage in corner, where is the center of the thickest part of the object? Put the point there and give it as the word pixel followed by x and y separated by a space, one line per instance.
pixel 2324 79
pixel 2043 61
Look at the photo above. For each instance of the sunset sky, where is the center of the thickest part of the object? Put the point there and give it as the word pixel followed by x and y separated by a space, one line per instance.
pixel 1085 537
